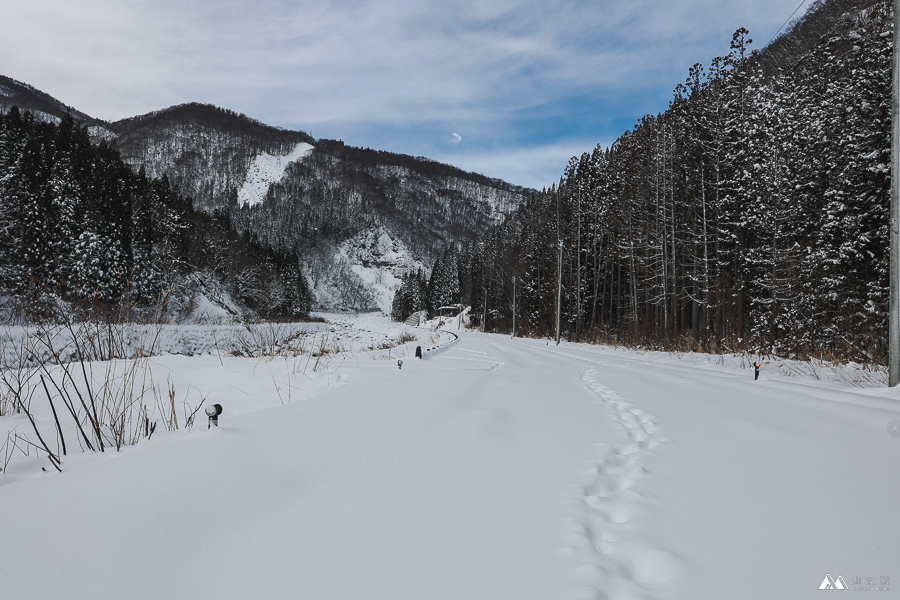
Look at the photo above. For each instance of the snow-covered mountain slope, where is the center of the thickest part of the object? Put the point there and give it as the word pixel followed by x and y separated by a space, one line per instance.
pixel 206 152
pixel 266 170
pixel 380 261
pixel 362 272
pixel 321 198
pixel 338 200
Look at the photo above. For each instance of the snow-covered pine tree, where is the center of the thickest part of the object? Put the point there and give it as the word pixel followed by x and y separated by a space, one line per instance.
pixel 443 285
pixel 410 296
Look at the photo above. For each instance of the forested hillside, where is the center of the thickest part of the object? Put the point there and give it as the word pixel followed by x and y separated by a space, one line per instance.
pixel 358 219
pixel 80 228
pixel 203 150
pixel 751 214
pixel 42 105
pixel 323 205
pixel 341 190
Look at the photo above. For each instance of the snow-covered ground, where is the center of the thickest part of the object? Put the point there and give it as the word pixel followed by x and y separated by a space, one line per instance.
pixel 266 170
pixel 491 469
pixel 342 334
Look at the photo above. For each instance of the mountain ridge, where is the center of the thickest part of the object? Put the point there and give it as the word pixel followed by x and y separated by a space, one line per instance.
pixel 28 97
pixel 317 203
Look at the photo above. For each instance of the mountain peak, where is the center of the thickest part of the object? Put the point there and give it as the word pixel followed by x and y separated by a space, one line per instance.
pixel 205 115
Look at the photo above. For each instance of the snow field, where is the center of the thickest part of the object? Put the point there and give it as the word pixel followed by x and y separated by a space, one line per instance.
pixel 266 170
pixel 340 335
pixel 780 477
pixel 145 396
pixel 492 468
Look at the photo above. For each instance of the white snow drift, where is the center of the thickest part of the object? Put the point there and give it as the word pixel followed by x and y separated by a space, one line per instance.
pixel 491 469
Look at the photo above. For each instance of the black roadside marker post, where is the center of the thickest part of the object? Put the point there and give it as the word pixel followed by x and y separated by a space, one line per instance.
pixel 213 412
pixel 418 351
pixel 399 364
pixel 756 366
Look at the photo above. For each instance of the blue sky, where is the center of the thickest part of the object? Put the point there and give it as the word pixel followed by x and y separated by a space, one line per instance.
pixel 508 88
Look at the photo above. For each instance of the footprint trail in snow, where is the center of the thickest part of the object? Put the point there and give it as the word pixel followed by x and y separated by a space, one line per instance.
pixel 616 560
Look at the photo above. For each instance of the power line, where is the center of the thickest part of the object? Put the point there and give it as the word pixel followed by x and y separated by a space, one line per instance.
pixel 787 21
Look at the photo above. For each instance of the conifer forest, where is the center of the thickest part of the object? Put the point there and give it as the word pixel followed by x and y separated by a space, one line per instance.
pixel 82 230
pixel 751 215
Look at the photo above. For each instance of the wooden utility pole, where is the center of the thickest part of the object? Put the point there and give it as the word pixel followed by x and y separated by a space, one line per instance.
pixel 514 307
pixel 578 273
pixel 559 270
pixel 894 310
pixel 484 317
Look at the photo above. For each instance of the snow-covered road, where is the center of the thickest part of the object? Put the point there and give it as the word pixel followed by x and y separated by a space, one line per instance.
pixel 492 469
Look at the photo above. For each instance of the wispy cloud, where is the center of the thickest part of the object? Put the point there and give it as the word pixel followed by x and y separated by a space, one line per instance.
pixel 508 76
pixel 535 167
